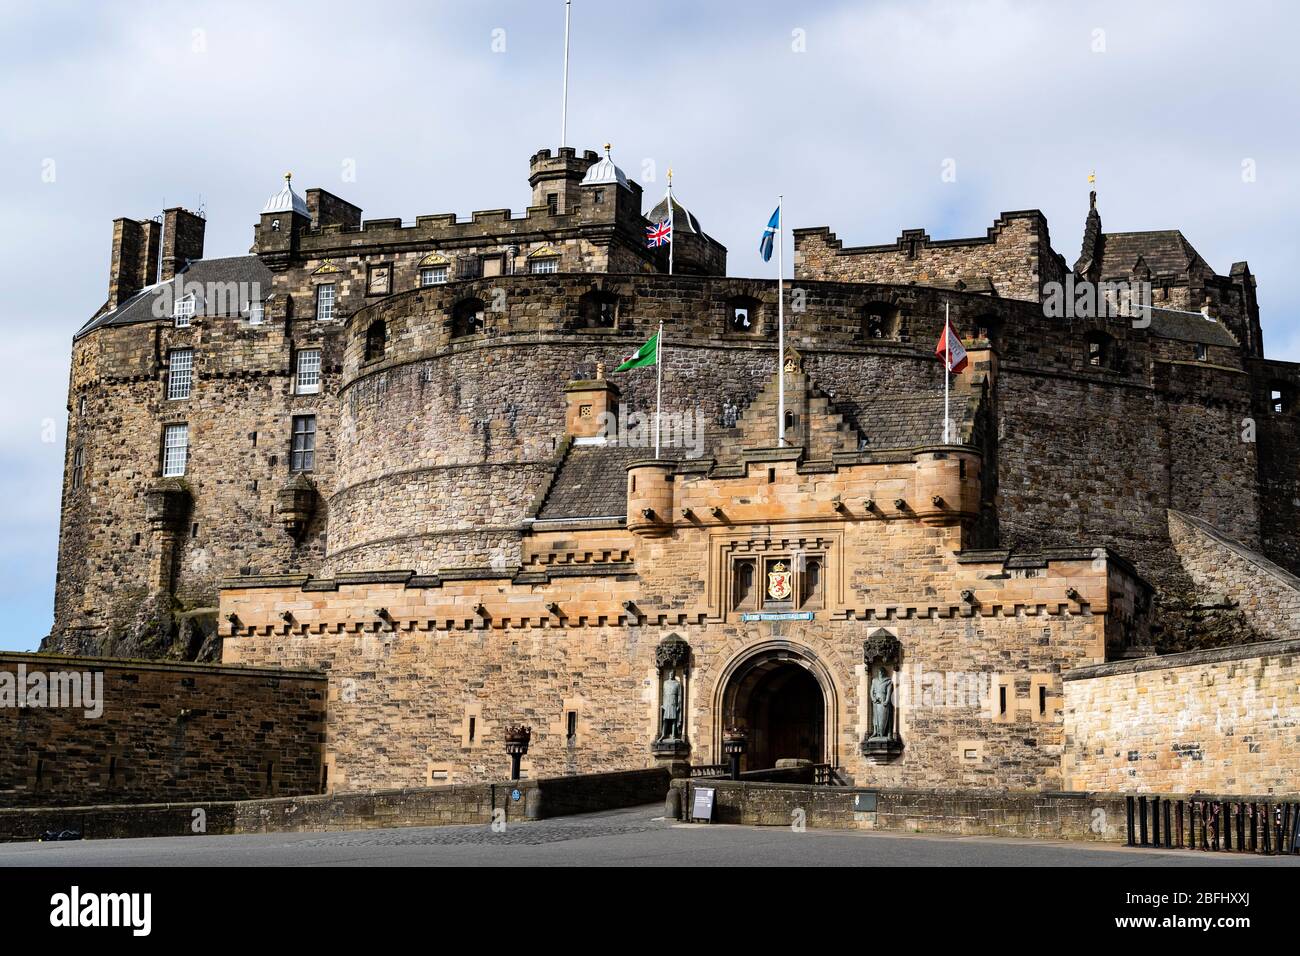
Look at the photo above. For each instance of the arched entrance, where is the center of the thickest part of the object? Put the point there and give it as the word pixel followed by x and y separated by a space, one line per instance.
pixel 784 697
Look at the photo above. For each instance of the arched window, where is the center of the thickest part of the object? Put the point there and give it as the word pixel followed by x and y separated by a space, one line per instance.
pixel 880 321
pixel 466 317
pixel 1099 350
pixel 743 315
pixel 376 339
pixel 598 309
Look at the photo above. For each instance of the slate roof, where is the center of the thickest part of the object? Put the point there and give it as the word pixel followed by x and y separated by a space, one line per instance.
pixel 592 479
pixel 247 271
pixel 1165 251
pixel 1190 328
pixel 892 422
pixel 683 218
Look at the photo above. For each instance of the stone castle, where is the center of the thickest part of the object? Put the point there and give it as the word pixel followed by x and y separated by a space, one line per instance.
pixel 397 453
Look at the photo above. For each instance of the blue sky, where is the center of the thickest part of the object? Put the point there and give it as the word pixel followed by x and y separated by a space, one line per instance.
pixel 849 109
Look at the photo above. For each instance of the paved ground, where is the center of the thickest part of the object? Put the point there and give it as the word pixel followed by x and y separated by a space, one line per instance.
pixel 635 837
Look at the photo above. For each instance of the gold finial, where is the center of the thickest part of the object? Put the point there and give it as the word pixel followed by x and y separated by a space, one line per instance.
pixel 1092 176
pixel 607 150
pixel 670 174
pixel 288 176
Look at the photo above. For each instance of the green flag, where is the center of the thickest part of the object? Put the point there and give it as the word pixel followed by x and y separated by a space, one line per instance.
pixel 645 355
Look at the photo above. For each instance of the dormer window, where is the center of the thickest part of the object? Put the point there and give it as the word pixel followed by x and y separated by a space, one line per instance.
pixel 1200 351
pixel 183 311
pixel 256 312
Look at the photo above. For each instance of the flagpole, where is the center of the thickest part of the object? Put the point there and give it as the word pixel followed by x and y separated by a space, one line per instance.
pixel 947 361
pixel 659 380
pixel 671 237
pixel 780 319
pixel 564 107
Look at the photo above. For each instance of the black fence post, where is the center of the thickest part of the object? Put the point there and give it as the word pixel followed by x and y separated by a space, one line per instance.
pixel 1169 833
pixel 1128 814
pixel 1181 841
pixel 1225 814
pixel 1142 818
pixel 1155 821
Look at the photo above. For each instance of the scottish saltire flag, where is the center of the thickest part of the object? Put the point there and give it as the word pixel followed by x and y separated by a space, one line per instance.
pixel 950 349
pixel 769 234
pixel 660 234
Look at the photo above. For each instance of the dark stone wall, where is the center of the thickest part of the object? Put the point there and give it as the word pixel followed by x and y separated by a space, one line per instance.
pixel 165 731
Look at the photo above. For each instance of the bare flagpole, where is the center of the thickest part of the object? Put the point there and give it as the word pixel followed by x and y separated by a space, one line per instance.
pixel 947 363
pixel 672 239
pixel 659 380
pixel 780 319
pixel 564 107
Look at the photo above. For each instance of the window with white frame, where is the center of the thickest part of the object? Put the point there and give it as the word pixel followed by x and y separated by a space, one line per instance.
pixel 433 275
pixel 302 450
pixel 176 450
pixel 325 302
pixel 256 312
pixel 180 373
pixel 183 311
pixel 308 372
pixel 542 266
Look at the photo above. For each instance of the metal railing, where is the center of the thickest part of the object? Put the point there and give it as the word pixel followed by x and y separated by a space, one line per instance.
pixel 1241 826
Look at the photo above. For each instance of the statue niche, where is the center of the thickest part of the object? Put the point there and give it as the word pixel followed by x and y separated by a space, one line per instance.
pixel 882 652
pixel 672 663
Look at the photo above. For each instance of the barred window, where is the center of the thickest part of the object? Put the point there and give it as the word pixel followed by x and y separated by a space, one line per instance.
pixel 325 302
pixel 183 311
pixel 180 373
pixel 302 452
pixel 176 450
pixel 543 266
pixel 433 275
pixel 308 372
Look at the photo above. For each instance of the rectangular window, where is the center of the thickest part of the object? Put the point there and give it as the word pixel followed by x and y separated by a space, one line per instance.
pixel 1201 352
pixel 433 275
pixel 308 372
pixel 78 467
pixel 180 373
pixel 176 450
pixel 325 302
pixel 302 452
pixel 183 311
pixel 543 266
pixel 256 313
pixel 571 726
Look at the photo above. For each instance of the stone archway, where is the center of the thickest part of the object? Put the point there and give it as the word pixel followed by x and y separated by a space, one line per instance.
pixel 784 696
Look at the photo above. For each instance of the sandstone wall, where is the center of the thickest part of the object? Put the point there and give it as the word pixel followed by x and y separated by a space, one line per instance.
pixel 1224 721
pixel 164 732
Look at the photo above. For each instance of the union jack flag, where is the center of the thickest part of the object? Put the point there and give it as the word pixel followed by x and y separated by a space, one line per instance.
pixel 661 233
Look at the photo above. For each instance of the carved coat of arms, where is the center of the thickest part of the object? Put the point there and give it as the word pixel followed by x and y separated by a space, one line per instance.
pixel 779 585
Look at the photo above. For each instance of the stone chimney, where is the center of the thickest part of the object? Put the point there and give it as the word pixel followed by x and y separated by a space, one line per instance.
pixel 588 402
pixel 134 262
pixel 182 240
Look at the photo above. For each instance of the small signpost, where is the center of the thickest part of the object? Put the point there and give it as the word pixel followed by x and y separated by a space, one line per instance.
pixel 702 804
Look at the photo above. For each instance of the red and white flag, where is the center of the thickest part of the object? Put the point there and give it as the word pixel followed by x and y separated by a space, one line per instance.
pixel 950 349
